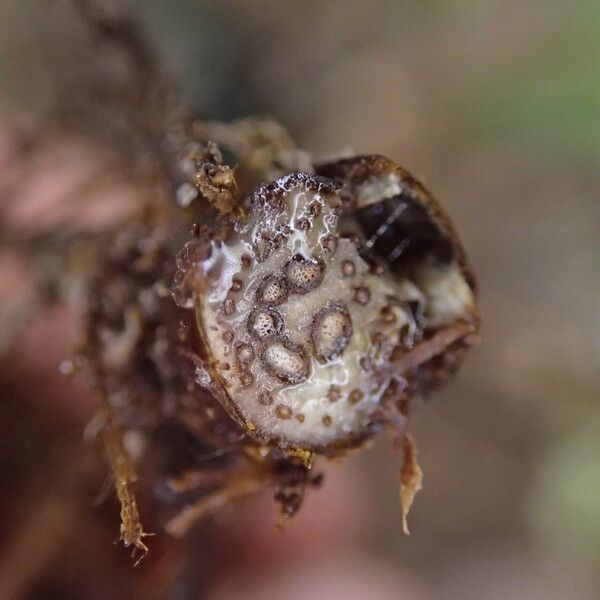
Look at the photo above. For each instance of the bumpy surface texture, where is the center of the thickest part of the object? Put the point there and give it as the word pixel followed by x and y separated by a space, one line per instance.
pixel 307 314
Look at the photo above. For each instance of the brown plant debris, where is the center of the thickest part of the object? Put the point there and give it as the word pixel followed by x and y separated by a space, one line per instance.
pixel 411 477
pixel 131 531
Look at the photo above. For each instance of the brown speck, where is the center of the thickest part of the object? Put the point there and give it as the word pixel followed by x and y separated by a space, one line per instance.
pixel 246 379
pixel 327 421
pixel 362 295
pixel 304 275
pixel 236 284
pixel 331 332
pixel 303 224
pixel 272 291
pixel 364 363
pixel 285 360
pixel 314 209
pixel 348 268
pixel 376 268
pixel 183 331
pixel 334 394
pixel 387 315
pixel 392 390
pixel 283 412
pixel 265 398
pixel 397 352
pixel 300 418
pixel 246 261
pixel 228 336
pixel 229 306
pixel 355 396
pixel 225 366
pixel 330 244
pixel 244 355
pixel 265 322
pixel 357 240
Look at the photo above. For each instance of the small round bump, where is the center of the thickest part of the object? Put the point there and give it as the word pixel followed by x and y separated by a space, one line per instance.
pixel 229 306
pixel 246 260
pixel 334 393
pixel 355 396
pixel 331 332
pixel 388 315
pixel 244 355
pixel 272 291
pixel 329 244
pixel 348 268
pixel 362 295
pixel 264 323
pixel 283 412
pixel 303 224
pixel 327 421
pixel 246 379
pixel 265 398
pixel 376 268
pixel 304 275
pixel 285 360
pixel 236 285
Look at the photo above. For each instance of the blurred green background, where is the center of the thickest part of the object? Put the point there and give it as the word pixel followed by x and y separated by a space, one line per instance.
pixel 496 106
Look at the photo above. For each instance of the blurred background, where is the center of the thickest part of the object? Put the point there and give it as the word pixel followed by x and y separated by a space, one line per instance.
pixel 496 107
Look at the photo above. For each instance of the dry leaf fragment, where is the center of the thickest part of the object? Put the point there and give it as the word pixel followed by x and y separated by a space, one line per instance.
pixel 411 478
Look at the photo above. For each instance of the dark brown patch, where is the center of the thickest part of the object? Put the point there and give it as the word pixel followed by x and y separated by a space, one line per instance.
pixel 334 393
pixel 355 396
